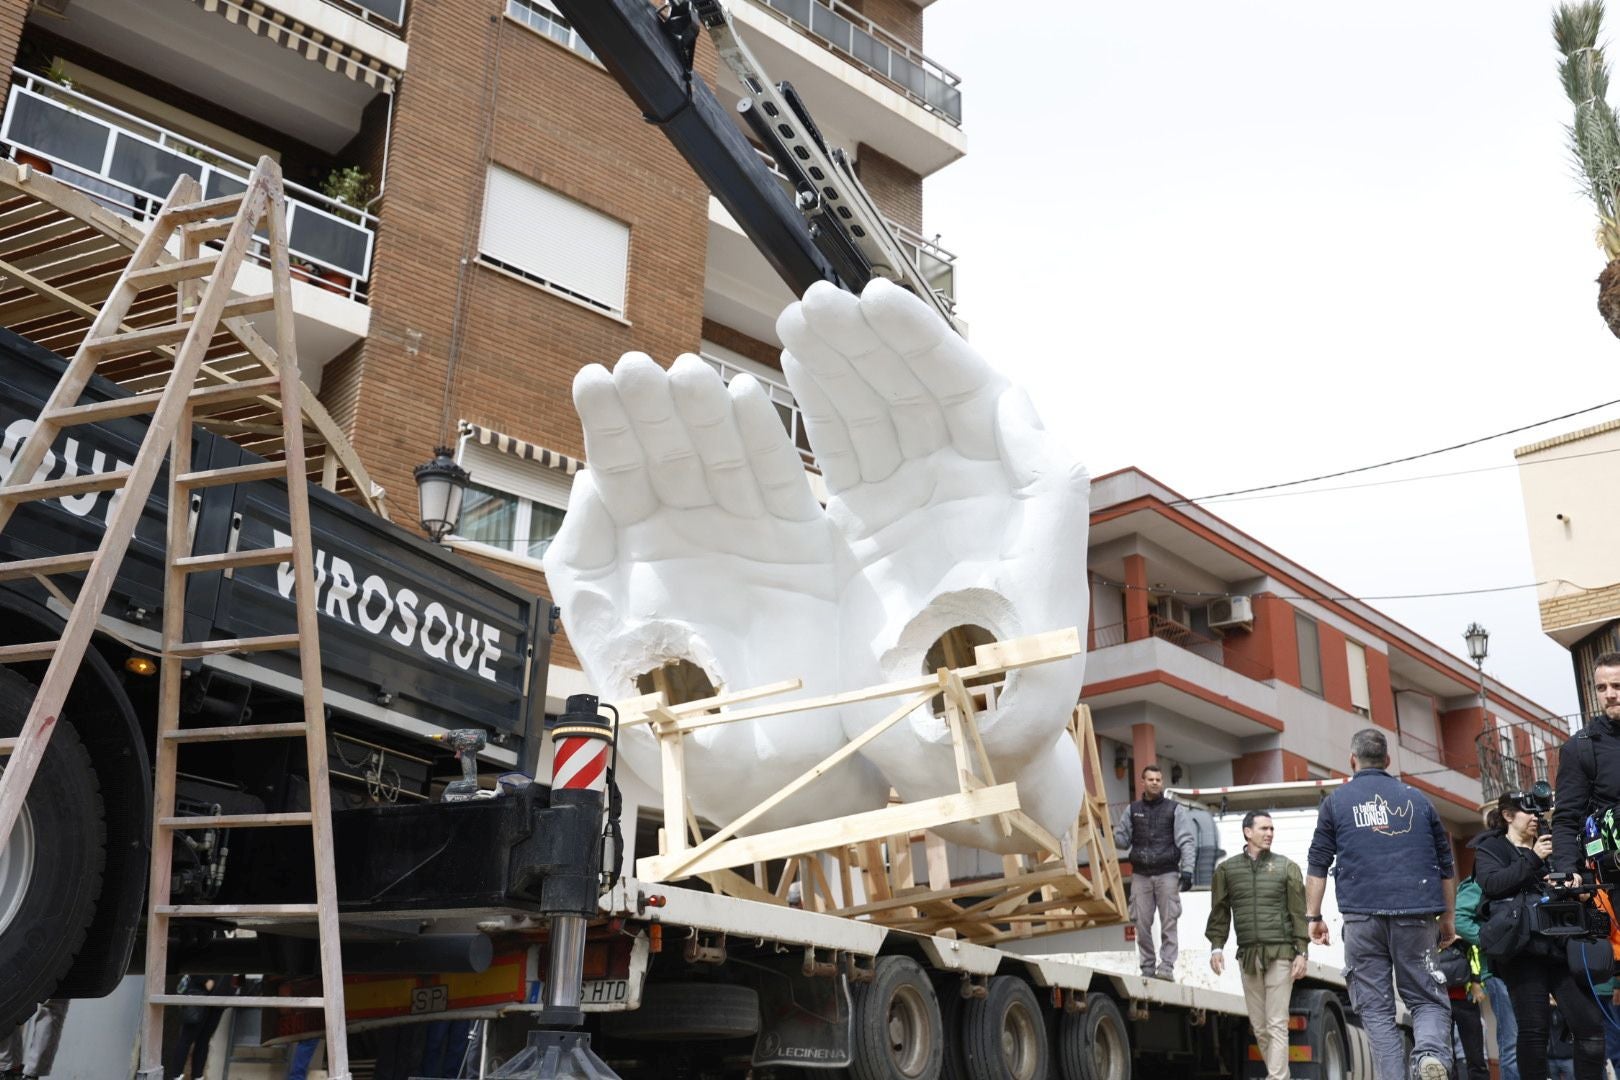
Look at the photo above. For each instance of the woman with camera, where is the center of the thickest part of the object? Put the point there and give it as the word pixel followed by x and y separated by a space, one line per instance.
pixel 1510 864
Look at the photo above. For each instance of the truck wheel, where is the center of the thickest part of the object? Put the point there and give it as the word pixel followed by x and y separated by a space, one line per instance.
pixel 952 1005
pixel 1360 1053
pixel 50 866
pixel 689 1010
pixel 1095 1044
pixel 1004 1034
pixel 1325 1034
pixel 898 1032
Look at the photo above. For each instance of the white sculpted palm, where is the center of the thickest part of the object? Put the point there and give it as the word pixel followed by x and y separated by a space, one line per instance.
pixel 694 535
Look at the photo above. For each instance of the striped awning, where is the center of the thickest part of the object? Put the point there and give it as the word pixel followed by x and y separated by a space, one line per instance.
pixel 333 55
pixel 551 459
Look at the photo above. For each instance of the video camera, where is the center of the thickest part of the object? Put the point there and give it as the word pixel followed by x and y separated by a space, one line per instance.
pixel 1537 801
pixel 1564 911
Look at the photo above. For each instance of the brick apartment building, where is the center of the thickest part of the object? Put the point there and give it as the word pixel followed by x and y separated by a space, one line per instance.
pixel 1229 663
pixel 508 218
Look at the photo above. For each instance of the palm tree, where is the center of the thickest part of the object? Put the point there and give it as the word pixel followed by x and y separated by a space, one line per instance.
pixel 1594 137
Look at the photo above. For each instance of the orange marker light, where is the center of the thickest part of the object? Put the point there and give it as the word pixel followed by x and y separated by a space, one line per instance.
pixel 140 665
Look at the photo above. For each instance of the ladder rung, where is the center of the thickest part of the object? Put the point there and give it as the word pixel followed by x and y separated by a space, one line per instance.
pixel 237 821
pixel 67 485
pixel 270 643
pixel 234 560
pixel 226 206
pixel 52 564
pixel 147 337
pixel 236 731
pixel 237 911
pixel 205 231
pixel 248 305
pixel 173 273
pixel 97 411
pixel 233 393
pixel 239 1001
pixel 21 654
pixel 235 474
pixel 7 746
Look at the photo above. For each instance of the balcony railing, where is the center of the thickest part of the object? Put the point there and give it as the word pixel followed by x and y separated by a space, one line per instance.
pixel 389 15
pixel 1212 649
pixel 781 397
pixel 874 49
pixel 128 165
pixel 1437 754
pixel 1501 772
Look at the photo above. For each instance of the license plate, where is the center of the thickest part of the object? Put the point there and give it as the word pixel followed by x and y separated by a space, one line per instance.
pixel 600 992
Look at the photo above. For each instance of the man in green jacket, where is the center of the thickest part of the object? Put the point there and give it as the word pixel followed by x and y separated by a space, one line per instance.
pixel 1263 895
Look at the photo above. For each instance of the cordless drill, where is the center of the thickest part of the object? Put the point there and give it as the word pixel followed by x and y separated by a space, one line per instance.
pixel 466 742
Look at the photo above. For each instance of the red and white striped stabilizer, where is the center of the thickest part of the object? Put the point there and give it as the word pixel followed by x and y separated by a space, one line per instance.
pixel 579 756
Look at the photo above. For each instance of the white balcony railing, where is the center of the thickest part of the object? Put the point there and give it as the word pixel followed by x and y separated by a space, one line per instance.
pixel 387 14
pixel 872 48
pixel 128 165
pixel 782 397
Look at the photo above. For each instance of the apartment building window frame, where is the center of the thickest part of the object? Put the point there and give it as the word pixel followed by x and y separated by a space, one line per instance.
pixel 555 243
pixel 1360 689
pixel 542 17
pixel 534 492
pixel 1305 626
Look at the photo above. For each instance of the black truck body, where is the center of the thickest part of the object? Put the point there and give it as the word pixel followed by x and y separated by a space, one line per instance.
pixel 414 640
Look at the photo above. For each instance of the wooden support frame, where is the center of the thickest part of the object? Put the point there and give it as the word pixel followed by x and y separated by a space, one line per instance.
pixel 1062 883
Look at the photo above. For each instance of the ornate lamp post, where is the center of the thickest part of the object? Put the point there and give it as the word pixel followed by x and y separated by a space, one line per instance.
pixel 440 485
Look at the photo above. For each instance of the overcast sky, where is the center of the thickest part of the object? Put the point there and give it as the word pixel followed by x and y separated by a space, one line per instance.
pixel 1236 243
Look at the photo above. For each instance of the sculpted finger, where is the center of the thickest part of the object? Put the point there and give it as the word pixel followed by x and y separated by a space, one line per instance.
pixel 706 410
pixel 865 416
pixel 672 462
pixel 776 465
pixel 1028 452
pixel 611 448
pixel 835 455
pixel 957 376
pixel 836 319
pixel 588 539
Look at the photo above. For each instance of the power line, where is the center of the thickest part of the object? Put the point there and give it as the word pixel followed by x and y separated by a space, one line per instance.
pixel 1399 460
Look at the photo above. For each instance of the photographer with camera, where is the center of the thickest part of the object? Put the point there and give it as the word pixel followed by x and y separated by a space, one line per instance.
pixel 1511 864
pixel 1588 769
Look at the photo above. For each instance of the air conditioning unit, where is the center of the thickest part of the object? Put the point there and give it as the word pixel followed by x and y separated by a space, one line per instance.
pixel 1173 610
pixel 1231 613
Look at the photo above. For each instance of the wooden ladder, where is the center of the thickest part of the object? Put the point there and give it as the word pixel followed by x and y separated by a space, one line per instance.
pixel 204 305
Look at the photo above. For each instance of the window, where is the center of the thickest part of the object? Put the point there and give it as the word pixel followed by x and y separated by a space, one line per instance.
pixel 513 505
pixel 542 18
pixel 1310 653
pixel 1360 694
pixel 555 242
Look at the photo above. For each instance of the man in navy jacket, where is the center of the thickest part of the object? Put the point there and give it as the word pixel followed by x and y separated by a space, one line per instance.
pixel 1396 888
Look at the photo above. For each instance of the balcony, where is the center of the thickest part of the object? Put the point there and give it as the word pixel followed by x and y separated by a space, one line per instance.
pixel 387 15
pixel 877 52
pixel 1217 697
pixel 129 165
pixel 1209 648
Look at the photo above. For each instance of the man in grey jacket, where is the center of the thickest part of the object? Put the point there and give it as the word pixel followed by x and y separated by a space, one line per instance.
pixel 1163 850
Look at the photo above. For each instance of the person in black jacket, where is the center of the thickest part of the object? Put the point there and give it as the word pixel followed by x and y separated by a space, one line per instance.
pixel 1588 769
pixel 1509 862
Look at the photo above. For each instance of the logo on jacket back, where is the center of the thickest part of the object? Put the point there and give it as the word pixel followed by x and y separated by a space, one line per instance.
pixel 1380 817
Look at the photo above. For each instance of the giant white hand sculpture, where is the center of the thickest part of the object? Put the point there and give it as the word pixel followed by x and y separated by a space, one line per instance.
pixel 694 535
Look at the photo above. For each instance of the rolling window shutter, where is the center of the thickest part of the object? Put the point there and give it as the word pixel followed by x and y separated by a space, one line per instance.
pixel 554 239
pixel 1360 694
pixel 515 476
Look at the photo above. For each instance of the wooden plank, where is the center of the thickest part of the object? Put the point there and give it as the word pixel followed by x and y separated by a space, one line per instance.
pixel 237 732
pixel 240 1001
pixel 67 485
pixel 672 761
pixel 243 306
pixel 269 643
pixel 22 654
pixel 937 858
pixel 235 821
pixel 1025 651
pixel 7 746
pixel 212 397
pixel 225 206
pixel 873 825
pixel 234 474
pixel 235 911
pixel 50 564
pixel 146 337
pixel 633 710
pixel 815 772
pixel 172 273
pixel 235 560
pixel 97 411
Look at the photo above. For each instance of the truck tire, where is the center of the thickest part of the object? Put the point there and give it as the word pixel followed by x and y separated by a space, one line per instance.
pixel 1325 1035
pixel 1004 1033
pixel 1360 1053
pixel 952 1005
pixel 688 1010
pixel 1095 1044
pixel 50 866
pixel 898 1033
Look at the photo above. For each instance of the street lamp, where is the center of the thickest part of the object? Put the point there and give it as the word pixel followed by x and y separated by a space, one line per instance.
pixel 440 486
pixel 1479 646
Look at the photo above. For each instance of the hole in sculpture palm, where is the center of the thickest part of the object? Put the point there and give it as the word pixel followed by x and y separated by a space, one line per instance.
pixel 694 536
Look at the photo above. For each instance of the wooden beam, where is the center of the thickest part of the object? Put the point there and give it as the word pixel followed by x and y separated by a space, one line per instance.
pixel 873 825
